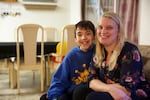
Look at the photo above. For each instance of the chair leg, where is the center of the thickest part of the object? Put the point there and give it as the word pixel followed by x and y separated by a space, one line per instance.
pixel 14 78
pixel 18 81
pixel 33 75
pixel 47 76
pixel 50 63
pixel 42 80
pixel 12 75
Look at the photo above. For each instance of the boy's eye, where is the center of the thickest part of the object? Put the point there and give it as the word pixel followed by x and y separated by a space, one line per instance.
pixel 89 33
pixel 79 34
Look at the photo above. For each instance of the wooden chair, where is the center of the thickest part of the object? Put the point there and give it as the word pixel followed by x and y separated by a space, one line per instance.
pixel 66 44
pixel 29 33
pixel 4 67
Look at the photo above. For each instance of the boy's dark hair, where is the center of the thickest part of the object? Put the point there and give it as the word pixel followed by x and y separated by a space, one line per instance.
pixel 86 24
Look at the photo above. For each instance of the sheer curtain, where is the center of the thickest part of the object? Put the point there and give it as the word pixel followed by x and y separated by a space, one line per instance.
pixel 128 11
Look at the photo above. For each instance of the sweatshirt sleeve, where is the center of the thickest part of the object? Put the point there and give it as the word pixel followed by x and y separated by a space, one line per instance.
pixel 60 81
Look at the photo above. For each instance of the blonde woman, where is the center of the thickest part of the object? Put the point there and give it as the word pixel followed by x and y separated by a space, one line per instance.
pixel 116 71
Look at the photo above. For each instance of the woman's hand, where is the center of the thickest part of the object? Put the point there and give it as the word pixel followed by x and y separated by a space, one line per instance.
pixel 98 85
pixel 122 88
pixel 115 90
pixel 117 93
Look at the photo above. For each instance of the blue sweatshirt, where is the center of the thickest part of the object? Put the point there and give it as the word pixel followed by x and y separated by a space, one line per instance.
pixel 72 72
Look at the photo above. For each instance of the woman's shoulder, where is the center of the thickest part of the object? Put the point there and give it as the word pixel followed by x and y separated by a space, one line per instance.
pixel 130 46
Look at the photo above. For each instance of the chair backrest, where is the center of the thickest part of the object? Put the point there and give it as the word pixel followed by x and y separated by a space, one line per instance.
pixel 51 34
pixel 68 38
pixel 29 33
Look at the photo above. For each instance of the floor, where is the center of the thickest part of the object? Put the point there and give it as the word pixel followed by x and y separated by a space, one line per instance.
pixel 30 89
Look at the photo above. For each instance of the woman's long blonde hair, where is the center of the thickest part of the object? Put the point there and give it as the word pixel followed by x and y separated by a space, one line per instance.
pixel 100 55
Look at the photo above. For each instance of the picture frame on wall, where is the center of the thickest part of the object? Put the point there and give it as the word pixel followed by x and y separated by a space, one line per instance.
pixel 93 9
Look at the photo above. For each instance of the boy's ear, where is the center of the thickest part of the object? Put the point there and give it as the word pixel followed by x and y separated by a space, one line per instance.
pixel 75 39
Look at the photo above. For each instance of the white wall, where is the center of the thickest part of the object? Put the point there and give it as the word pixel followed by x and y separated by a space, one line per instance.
pixel 144 25
pixel 67 12
pixel 48 17
pixel 75 11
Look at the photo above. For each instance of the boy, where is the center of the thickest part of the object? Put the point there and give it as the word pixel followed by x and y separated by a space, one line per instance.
pixel 73 71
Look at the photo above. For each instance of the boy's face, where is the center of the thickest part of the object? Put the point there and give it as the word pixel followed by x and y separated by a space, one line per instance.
pixel 84 38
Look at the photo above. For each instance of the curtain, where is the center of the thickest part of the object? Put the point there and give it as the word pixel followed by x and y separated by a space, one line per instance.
pixel 128 11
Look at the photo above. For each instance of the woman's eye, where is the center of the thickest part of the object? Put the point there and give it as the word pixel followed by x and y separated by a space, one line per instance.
pixel 108 28
pixel 100 27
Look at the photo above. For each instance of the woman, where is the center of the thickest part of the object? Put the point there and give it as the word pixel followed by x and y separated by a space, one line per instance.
pixel 116 72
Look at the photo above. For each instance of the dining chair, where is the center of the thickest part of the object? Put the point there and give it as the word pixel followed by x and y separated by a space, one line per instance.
pixel 62 48
pixel 4 67
pixel 51 34
pixel 29 34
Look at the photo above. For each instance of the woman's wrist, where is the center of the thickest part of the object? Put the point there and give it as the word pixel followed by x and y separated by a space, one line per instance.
pixel 108 88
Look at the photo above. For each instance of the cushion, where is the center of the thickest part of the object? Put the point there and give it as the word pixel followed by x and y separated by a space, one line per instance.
pixel 145 52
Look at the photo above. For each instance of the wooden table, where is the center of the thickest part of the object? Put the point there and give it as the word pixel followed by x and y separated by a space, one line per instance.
pixel 8 49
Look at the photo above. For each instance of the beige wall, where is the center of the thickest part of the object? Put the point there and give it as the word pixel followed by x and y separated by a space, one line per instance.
pixel 68 11
pixel 144 25
pixel 57 17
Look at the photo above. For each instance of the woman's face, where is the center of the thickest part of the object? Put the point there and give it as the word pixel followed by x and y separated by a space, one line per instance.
pixel 107 32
